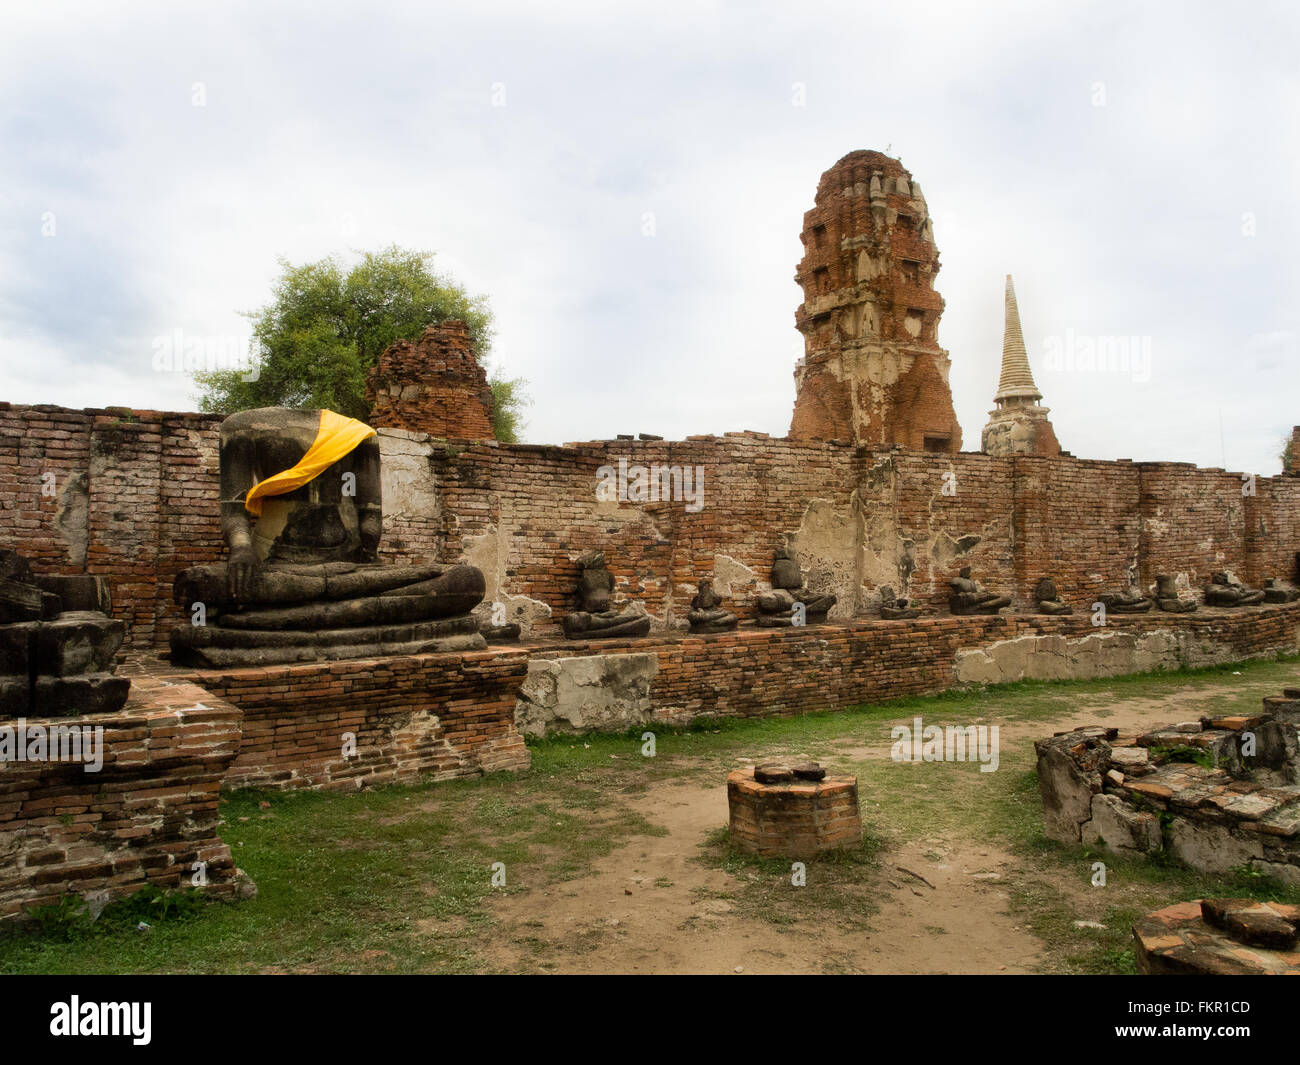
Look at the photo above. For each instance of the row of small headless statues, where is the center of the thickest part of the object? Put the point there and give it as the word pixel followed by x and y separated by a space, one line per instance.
pixel 968 596
pixel 790 602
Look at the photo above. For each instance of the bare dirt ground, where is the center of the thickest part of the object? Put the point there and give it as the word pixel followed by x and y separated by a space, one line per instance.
pixel 653 906
pixel 677 918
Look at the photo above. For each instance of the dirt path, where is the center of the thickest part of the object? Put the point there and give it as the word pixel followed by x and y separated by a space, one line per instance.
pixel 653 907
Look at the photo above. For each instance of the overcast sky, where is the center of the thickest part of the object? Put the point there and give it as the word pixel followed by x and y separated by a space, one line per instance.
pixel 1135 167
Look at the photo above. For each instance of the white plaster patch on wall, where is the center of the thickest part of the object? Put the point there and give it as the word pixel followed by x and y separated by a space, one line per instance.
pixel 826 548
pixel 605 693
pixel 410 489
pixel 488 552
pixel 732 578
pixel 1107 654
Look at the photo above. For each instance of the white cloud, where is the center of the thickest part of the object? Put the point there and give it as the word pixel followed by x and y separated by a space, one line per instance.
pixel 337 127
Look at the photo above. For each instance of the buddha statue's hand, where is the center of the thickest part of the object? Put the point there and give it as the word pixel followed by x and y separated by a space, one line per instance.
pixel 241 570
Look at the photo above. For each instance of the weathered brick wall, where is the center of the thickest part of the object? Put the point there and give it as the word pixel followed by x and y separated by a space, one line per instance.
pixel 1193 522
pixel 432 385
pixel 136 500
pixel 452 716
pixel 145 817
pixel 447 716
pixel 130 495
pixel 1077 522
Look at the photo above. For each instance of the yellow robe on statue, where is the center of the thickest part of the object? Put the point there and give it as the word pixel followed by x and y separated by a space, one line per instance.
pixel 338 435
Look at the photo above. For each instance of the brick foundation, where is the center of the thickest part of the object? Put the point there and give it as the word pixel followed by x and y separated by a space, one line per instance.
pixel 145 817
pixel 445 716
pixel 798 820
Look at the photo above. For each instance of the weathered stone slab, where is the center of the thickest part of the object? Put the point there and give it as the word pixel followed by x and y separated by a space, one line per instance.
pixel 607 693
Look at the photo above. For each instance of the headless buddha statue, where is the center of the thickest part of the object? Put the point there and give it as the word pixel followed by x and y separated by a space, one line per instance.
pixel 706 613
pixel 301 517
pixel 1167 597
pixel 893 608
pixel 967 596
pixel 595 618
pixel 1130 602
pixel 1224 591
pixel 776 609
pixel 1047 600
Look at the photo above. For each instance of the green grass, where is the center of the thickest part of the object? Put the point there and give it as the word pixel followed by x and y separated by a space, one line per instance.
pixel 398 879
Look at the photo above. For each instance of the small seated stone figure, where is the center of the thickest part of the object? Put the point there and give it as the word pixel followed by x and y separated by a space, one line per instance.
pixel 58 646
pixel 595 619
pixel 968 596
pixel 1277 592
pixel 1223 591
pixel 706 613
pixel 776 609
pixel 1047 600
pixel 301 515
pixel 1167 597
pixel 892 608
pixel 1125 602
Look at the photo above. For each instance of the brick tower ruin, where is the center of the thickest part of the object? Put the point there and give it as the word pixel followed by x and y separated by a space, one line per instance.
pixel 1018 423
pixel 872 371
pixel 432 385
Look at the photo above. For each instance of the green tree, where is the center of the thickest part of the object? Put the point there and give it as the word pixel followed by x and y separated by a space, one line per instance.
pixel 508 400
pixel 325 326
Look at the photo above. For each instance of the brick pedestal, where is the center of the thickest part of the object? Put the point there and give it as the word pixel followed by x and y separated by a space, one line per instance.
pixel 798 820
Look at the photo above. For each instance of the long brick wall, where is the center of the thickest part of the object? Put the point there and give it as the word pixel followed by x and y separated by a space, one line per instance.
pixel 453 715
pixel 360 723
pixel 132 495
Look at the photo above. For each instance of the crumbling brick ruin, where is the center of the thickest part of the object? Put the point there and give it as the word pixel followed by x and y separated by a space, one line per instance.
pixel 1218 793
pixel 869 492
pixel 432 385
pixel 872 372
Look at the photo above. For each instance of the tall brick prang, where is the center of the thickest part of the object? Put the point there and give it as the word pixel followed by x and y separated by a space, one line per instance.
pixel 432 385
pixel 1018 423
pixel 872 371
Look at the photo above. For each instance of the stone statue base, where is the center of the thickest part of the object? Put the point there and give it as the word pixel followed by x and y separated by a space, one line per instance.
pixel 217 647
pixel 702 626
pixel 969 610
pixel 507 633
pixel 313 612
pixel 1177 606
pixel 581 625
pixel 776 608
pixel 899 613
pixel 1120 605
pixel 58 646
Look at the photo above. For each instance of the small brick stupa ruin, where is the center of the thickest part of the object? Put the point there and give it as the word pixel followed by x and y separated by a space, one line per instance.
pixel 1219 937
pixel 872 371
pixel 1018 423
pixel 432 385
pixel 1217 793
pixel 780 811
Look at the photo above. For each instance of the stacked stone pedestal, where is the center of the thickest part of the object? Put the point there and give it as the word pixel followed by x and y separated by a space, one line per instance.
pixel 801 819
pixel 134 804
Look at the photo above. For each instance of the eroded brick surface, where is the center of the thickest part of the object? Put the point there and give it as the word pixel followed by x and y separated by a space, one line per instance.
pixel 146 817
pixel 873 371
